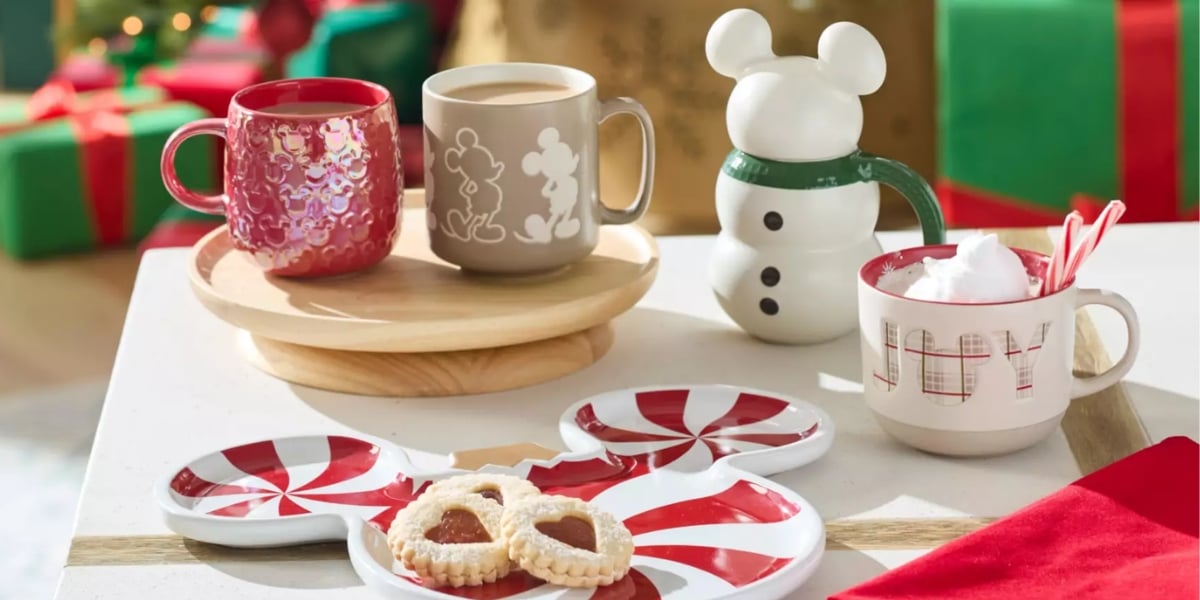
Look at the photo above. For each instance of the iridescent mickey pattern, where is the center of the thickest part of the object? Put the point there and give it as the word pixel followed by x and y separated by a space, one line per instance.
pixel 314 195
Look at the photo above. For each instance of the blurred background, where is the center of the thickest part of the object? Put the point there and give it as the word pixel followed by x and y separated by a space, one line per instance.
pixel 1017 111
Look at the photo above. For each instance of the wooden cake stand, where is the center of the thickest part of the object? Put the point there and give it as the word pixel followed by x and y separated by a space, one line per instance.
pixel 416 326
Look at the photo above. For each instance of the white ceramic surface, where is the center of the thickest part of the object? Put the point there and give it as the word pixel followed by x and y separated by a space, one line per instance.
pixel 794 109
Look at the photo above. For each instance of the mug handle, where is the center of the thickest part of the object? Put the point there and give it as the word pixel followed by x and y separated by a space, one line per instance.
pixel 634 212
pixel 1083 386
pixel 913 187
pixel 211 204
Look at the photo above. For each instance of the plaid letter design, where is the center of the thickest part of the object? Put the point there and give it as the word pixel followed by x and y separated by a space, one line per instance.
pixel 1022 360
pixel 947 374
pixel 891 357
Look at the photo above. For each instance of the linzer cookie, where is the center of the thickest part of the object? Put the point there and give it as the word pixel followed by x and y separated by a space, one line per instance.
pixel 451 540
pixel 566 541
pixel 503 489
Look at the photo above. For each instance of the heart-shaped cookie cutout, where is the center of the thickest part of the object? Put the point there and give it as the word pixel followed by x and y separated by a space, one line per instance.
pixel 492 494
pixel 451 538
pixel 567 541
pixel 458 526
pixel 573 531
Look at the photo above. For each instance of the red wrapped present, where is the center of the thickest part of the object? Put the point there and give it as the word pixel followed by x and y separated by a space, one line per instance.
pixel 180 227
pixel 207 84
pixel 1125 532
pixel 86 72
pixel 214 48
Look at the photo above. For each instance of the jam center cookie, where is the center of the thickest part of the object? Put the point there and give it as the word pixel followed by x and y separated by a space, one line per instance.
pixel 567 541
pixel 572 531
pixel 492 494
pixel 458 526
pixel 453 540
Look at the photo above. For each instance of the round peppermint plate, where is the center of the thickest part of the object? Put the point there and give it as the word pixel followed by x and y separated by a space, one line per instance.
pixel 693 427
pixel 706 532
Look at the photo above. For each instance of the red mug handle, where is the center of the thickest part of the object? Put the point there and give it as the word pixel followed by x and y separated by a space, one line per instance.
pixel 211 204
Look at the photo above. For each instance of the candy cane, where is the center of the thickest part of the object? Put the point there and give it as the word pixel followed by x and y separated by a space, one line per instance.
pixel 1108 217
pixel 1052 280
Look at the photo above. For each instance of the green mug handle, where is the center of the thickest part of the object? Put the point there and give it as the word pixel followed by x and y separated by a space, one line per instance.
pixel 913 187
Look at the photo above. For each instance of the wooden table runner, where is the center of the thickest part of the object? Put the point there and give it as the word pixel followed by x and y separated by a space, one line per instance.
pixel 1100 429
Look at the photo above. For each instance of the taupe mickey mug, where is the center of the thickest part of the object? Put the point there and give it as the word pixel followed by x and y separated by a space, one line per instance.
pixel 511 166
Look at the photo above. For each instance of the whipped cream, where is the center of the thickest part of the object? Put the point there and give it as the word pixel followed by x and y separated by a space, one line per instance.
pixel 982 270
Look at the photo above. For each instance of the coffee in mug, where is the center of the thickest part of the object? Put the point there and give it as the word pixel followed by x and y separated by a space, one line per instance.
pixel 511 166
pixel 519 92
pixel 313 181
pixel 313 108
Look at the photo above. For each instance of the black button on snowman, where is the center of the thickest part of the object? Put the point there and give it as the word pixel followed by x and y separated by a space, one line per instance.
pixel 795 122
pixel 773 221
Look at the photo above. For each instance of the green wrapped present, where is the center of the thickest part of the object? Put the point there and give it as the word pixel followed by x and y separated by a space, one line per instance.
pixel 229 22
pixel 1051 105
pixel 390 43
pixel 81 171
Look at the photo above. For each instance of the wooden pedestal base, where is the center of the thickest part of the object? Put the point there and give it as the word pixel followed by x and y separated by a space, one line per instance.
pixel 424 374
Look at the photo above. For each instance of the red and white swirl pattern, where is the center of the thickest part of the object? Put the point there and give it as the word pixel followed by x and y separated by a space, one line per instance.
pixel 695 536
pixel 289 477
pixel 690 429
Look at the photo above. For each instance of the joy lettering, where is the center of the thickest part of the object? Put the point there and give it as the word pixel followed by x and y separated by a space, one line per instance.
pixel 948 372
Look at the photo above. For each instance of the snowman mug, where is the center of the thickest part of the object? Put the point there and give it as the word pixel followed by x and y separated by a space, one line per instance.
pixel 313 182
pixel 975 379
pixel 511 169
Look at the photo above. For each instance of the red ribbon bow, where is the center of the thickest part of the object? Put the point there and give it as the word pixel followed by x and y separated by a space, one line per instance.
pixel 58 98
pixel 98 120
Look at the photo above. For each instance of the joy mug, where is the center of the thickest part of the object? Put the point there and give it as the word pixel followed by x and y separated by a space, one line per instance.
pixel 975 379
pixel 313 181
pixel 511 166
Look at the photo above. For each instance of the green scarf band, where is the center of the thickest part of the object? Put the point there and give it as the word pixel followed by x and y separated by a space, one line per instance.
pixel 856 167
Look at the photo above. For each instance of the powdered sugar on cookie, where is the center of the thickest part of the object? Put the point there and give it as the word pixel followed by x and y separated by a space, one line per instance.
pixel 567 541
pixel 451 540
pixel 471 529
pixel 500 488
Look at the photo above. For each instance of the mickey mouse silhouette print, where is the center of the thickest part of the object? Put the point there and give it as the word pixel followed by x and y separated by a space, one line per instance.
pixel 479 171
pixel 557 163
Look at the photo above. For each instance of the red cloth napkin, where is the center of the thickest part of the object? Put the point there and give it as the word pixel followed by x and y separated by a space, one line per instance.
pixel 1127 531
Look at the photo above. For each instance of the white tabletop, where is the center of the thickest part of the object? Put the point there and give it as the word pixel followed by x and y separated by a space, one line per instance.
pixel 179 389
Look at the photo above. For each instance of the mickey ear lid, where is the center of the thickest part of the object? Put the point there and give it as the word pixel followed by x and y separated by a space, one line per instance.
pixel 737 40
pixel 852 57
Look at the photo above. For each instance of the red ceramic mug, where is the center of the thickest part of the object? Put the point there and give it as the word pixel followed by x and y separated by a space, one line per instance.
pixel 313 181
